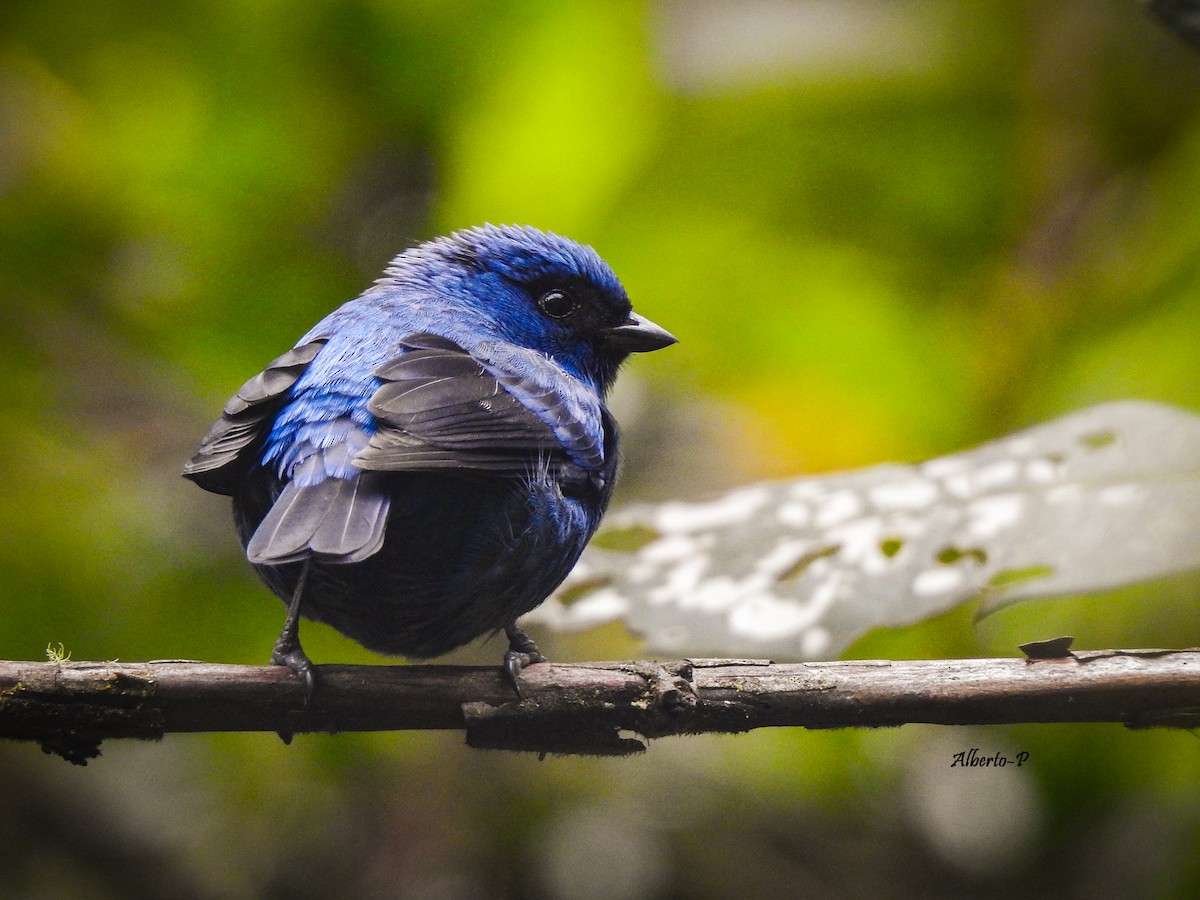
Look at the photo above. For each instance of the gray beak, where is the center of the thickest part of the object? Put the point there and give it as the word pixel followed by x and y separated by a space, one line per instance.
pixel 638 335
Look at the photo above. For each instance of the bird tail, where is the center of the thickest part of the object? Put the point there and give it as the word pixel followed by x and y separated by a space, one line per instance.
pixel 339 520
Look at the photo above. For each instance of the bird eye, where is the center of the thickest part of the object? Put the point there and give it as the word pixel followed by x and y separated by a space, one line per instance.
pixel 556 304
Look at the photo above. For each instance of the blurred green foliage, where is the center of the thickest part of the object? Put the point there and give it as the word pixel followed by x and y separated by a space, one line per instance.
pixel 881 231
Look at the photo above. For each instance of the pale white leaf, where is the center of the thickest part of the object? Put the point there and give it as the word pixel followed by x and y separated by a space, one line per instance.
pixel 800 569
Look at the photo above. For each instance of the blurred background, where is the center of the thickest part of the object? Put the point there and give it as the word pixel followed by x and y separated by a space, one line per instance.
pixel 881 231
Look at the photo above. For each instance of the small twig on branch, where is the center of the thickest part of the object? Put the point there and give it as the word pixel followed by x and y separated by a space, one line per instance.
pixel 591 708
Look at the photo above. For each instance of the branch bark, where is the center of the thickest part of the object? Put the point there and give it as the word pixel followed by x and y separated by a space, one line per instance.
pixel 591 708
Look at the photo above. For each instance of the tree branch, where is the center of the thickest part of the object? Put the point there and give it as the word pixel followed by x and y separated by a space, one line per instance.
pixel 592 708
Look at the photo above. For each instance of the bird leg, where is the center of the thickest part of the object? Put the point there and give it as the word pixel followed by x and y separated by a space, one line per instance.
pixel 522 652
pixel 288 651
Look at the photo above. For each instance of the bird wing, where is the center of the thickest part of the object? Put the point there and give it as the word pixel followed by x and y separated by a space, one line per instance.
pixel 440 407
pixel 228 449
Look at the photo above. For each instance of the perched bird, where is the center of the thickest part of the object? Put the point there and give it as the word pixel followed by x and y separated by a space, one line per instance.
pixel 427 463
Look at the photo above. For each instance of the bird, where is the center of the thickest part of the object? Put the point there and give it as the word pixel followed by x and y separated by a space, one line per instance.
pixel 427 463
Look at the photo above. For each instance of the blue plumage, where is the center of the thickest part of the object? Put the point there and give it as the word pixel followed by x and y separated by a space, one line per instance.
pixel 428 462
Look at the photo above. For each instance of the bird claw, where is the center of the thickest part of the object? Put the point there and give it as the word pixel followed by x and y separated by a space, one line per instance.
pixel 522 652
pixel 297 660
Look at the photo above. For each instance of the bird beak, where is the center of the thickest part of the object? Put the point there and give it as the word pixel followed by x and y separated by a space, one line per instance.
pixel 638 335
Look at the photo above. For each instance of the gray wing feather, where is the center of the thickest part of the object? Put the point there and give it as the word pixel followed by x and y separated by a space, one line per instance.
pixel 227 450
pixel 438 407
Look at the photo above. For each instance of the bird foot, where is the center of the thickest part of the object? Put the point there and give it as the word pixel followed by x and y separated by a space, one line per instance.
pixel 288 651
pixel 522 652
pixel 297 660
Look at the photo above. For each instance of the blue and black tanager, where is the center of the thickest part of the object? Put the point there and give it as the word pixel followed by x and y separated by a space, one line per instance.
pixel 427 463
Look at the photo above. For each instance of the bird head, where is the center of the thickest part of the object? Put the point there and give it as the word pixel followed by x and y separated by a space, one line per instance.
pixel 542 292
